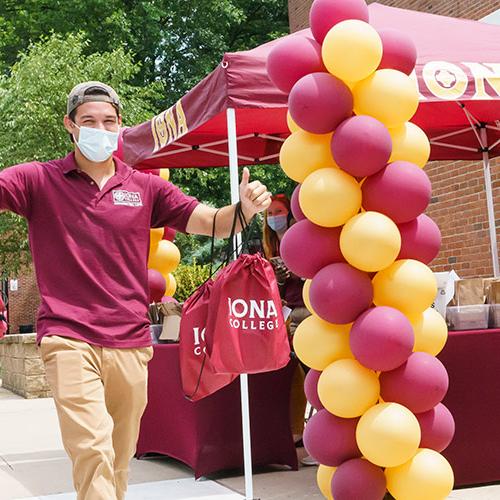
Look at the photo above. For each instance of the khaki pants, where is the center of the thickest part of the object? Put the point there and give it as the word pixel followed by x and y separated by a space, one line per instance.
pixel 100 395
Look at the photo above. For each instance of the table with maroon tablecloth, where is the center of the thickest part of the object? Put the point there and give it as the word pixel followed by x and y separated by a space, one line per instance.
pixel 207 435
pixel 472 359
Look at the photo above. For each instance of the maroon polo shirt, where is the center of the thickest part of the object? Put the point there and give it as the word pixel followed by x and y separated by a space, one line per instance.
pixel 90 247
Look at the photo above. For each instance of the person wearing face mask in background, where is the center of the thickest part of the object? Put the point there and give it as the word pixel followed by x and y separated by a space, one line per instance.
pixel 89 216
pixel 277 219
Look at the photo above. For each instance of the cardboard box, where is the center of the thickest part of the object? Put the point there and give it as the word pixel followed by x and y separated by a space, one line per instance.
pixel 492 290
pixel 171 313
pixel 469 292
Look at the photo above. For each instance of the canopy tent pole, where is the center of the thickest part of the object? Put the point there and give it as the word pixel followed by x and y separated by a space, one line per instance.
pixel 245 407
pixel 489 202
pixel 482 138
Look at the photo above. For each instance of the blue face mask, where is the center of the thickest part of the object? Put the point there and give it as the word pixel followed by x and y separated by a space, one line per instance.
pixel 95 144
pixel 278 223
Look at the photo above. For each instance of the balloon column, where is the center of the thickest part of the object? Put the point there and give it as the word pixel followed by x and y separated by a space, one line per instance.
pixel 363 244
pixel 164 257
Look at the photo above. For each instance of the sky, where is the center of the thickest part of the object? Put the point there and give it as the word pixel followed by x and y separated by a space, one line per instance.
pixel 493 18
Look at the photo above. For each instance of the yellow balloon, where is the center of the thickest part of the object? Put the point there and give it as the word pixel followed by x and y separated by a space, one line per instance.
pixel 352 50
pixel 292 126
pixel 370 241
pixel 407 285
pixel 348 389
pixel 350 85
pixel 409 143
pixel 388 435
pixel 329 197
pixel 426 476
pixel 388 95
pixel 171 285
pixel 305 296
pixel 155 236
pixel 303 153
pixel 165 174
pixel 431 332
pixel 324 479
pixel 165 258
pixel 318 343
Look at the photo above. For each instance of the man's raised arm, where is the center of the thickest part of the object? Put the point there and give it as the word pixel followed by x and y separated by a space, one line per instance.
pixel 254 198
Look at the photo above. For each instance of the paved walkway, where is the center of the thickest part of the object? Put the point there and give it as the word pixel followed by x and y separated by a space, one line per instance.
pixel 34 466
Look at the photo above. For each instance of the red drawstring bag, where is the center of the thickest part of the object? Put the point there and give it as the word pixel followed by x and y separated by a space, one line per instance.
pixel 199 378
pixel 245 320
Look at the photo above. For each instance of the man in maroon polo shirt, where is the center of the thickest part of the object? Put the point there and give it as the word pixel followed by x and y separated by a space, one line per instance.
pixel 89 216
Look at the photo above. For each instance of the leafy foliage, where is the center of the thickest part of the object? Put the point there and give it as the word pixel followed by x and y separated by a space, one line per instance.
pixel 189 277
pixel 177 42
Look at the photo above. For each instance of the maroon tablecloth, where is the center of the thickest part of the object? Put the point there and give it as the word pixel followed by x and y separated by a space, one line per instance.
pixel 207 435
pixel 472 359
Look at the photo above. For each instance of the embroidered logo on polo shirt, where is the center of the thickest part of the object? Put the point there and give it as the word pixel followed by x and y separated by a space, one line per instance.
pixel 121 197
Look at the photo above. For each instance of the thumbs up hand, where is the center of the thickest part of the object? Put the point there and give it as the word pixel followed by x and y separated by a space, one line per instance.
pixel 254 195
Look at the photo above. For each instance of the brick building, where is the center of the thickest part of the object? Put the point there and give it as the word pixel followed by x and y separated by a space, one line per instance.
pixel 23 303
pixel 458 204
pixel 459 201
pixel 298 10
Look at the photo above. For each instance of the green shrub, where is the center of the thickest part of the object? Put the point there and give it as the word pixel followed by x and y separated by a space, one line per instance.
pixel 189 277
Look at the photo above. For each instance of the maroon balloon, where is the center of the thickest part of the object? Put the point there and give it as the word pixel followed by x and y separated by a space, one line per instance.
pixel 419 384
pixel 420 239
pixel 382 338
pixel 331 440
pixel 339 293
pixel 437 426
pixel 319 102
pixel 402 191
pixel 306 248
pixel 157 285
pixel 295 206
pixel 169 233
pixel 325 14
pixel 358 479
pixel 361 146
pixel 399 53
pixel 311 389
pixel 292 58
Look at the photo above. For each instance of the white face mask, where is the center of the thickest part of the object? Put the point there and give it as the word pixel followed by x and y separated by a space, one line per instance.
pixel 97 145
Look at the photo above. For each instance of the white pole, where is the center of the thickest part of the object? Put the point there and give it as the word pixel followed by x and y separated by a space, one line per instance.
pixel 245 407
pixel 233 155
pixel 490 204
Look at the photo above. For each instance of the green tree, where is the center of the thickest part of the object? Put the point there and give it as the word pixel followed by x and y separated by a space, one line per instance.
pixel 177 42
pixel 33 103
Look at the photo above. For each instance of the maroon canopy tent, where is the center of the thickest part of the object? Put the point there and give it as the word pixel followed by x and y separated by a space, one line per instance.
pixel 458 73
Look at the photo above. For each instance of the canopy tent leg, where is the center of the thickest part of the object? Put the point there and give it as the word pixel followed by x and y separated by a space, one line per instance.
pixel 245 407
pixel 490 204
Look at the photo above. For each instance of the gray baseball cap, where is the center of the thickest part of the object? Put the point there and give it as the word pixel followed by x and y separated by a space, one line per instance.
pixel 92 92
